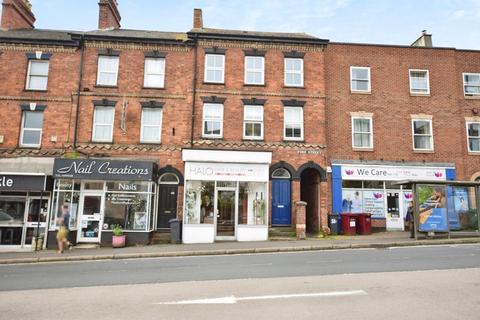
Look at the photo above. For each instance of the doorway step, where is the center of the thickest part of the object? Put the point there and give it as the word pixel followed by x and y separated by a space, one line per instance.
pixel 87 246
pixel 160 237
pixel 280 233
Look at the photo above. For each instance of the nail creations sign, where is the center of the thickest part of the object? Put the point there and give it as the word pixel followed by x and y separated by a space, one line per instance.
pixel 20 182
pixel 98 169
pixel 351 172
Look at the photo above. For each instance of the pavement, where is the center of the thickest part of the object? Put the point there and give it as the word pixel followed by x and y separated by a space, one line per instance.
pixel 376 240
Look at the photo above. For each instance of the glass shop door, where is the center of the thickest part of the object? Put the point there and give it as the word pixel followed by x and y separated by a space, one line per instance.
pixel 91 209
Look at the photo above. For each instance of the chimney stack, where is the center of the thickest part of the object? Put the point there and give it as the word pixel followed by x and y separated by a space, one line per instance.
pixel 109 16
pixel 197 19
pixel 425 40
pixel 17 14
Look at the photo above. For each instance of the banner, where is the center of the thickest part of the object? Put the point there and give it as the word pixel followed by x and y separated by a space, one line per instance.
pixel 374 203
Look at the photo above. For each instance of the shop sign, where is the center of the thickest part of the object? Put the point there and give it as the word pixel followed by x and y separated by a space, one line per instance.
pixel 9 182
pixel 392 173
pixel 226 171
pixel 96 169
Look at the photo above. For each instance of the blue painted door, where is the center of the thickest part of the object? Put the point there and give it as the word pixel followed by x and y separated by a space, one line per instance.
pixel 281 202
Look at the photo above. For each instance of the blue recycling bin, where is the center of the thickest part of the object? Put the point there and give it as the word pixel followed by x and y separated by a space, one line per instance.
pixel 335 223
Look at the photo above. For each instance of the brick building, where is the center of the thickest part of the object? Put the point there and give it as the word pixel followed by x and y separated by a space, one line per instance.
pixel 402 111
pixel 231 131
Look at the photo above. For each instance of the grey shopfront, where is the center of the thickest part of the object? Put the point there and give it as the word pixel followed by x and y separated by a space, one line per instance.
pixel 103 193
pixel 24 207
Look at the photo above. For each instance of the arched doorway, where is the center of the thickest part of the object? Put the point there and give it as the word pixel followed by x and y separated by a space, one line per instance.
pixel 311 174
pixel 281 197
pixel 167 199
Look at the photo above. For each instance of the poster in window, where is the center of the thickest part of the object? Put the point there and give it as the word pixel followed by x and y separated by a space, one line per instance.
pixel 352 201
pixel 140 221
pixel 374 203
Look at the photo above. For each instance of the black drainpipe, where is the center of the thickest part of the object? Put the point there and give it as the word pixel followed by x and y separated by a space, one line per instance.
pixel 194 93
pixel 80 79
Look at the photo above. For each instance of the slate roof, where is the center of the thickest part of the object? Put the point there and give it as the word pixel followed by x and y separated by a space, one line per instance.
pixel 39 36
pixel 255 35
pixel 137 34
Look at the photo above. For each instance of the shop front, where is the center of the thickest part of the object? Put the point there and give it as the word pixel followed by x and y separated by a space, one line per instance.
pixel 24 207
pixel 226 196
pixel 101 194
pixel 371 188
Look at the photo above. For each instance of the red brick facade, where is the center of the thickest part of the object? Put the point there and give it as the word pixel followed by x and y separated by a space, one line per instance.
pixel 392 105
pixel 325 96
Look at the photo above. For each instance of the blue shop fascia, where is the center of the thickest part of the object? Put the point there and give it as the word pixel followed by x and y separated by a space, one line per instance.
pixel 369 187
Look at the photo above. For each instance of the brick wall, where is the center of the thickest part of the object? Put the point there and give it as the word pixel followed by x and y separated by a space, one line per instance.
pixel 392 105
pixel 62 83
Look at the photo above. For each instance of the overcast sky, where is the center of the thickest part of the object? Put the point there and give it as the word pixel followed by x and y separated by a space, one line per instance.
pixel 453 23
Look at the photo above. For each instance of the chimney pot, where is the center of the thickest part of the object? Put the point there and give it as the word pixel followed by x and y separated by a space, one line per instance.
pixel 108 15
pixel 197 19
pixel 17 14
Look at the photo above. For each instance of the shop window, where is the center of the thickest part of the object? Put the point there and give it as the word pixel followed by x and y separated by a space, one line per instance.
pixel 362 133
pixel 471 84
pixel 253 122
pixel 103 124
pixel 254 70
pixel 252 203
pixel 214 68
pixel 37 77
pixel 93 185
pixel 154 73
pixel 360 79
pixel 107 70
pixel 473 132
pixel 293 68
pixel 352 201
pixel 293 123
pixel 199 202
pixel 422 134
pixel 31 131
pixel 151 127
pixel 66 192
pixel 371 184
pixel 128 210
pixel 281 173
pixel 391 185
pixel 419 82
pixel 212 120
pixel 351 184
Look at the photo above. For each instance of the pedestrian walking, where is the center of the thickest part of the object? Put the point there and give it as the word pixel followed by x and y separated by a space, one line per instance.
pixel 410 220
pixel 62 233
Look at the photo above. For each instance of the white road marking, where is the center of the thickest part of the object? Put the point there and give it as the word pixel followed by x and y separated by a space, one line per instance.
pixel 233 299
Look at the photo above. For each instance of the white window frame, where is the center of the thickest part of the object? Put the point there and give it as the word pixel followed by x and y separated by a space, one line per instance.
pixel 29 75
pixel 370 146
pixel 159 126
pixel 245 121
pixel 262 70
pixel 285 72
pixel 431 134
pixel 100 71
pixel 218 119
pixel 22 130
pixel 468 136
pixel 214 68
pixel 410 81
pixel 103 124
pixel 369 89
pixel 465 94
pixel 146 73
pixel 285 125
